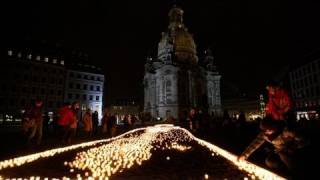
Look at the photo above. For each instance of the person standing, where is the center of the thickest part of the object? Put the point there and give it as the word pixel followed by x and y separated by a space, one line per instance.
pixel 105 119
pixel 87 123
pixel 36 116
pixel 73 121
pixel 192 119
pixel 63 122
pixel 279 102
pixel 112 125
pixel 95 122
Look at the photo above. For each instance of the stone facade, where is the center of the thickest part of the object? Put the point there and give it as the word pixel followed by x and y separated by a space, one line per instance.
pixel 85 86
pixel 176 81
pixel 25 77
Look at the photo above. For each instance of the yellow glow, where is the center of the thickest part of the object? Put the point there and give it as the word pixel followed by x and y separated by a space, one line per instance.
pixel 111 156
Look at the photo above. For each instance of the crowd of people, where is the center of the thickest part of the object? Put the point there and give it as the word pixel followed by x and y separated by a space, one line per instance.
pixel 279 128
pixel 67 124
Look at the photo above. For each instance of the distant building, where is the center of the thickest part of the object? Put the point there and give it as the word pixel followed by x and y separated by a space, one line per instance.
pixel 252 108
pixel 85 84
pixel 305 88
pixel 175 81
pixel 24 77
pixel 123 107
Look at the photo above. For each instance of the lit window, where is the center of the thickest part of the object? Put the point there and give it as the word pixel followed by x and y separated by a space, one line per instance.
pixel 10 53
pixel 30 56
pixel 46 59
pixel 19 55
pixel 38 58
pixel 55 61
pixel 62 62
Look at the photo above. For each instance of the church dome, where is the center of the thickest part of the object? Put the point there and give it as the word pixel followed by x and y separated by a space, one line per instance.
pixel 184 46
pixel 177 42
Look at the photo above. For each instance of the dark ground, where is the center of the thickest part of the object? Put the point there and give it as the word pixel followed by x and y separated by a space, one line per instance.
pixel 184 165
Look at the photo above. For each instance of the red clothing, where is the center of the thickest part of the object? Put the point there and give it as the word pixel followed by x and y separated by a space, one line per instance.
pixel 64 116
pixel 279 103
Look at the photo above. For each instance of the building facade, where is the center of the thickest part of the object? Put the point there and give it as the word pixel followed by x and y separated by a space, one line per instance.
pixel 25 77
pixel 85 84
pixel 251 108
pixel 305 88
pixel 175 81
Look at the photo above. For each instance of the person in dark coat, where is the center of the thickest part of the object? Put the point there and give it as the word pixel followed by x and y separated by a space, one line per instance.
pixel 36 116
pixel 112 125
pixel 95 122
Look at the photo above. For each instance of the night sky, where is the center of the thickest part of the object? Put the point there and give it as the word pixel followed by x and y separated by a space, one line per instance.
pixel 252 41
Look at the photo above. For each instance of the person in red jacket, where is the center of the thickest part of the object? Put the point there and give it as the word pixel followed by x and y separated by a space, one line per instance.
pixel 63 121
pixel 279 102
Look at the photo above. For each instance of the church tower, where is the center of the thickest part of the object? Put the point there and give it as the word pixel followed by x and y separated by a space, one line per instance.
pixel 174 81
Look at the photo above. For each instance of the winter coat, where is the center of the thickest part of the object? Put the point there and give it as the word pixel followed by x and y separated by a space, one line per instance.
pixel 279 103
pixel 87 122
pixel 36 115
pixel 68 118
pixel 63 116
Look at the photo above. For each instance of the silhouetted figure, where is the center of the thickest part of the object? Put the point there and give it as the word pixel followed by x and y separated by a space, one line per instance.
pixel 241 120
pixel 46 121
pixel 288 145
pixel 104 122
pixel 34 120
pixel 112 126
pixel 95 122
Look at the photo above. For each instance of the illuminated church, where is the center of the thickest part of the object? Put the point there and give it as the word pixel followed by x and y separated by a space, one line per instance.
pixel 176 80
